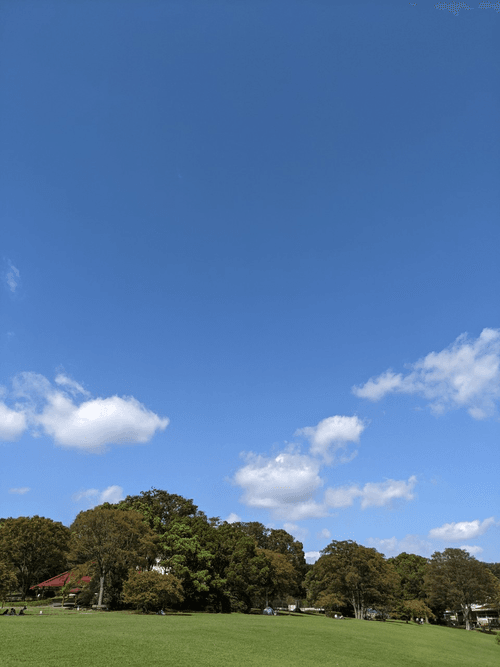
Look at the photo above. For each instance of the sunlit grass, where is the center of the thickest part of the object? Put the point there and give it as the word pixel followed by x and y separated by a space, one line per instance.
pixel 61 637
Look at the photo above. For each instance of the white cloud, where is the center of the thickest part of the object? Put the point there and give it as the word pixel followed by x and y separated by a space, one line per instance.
pixel 12 423
pixel 325 533
pixel 411 544
pixel 90 425
pixel 342 496
pixel 312 556
pixel 284 485
pixel 473 550
pixel 233 518
pixel 112 494
pixel 20 490
pixel 70 385
pixel 12 278
pixel 465 375
pixel 462 530
pixel 332 434
pixel 383 493
pixel 372 494
pixel 96 423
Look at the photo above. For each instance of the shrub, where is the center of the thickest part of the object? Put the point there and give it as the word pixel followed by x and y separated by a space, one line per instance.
pixel 151 590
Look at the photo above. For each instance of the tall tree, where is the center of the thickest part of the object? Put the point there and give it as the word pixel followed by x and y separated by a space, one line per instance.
pixel 280 541
pixel 410 595
pixel 350 573
pixel 456 579
pixel 159 507
pixel 35 547
pixel 111 542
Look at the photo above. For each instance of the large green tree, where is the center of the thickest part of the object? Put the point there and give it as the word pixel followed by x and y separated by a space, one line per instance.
pixel 35 547
pixel 350 573
pixel 410 595
pixel 456 579
pixel 111 542
pixel 280 541
pixel 159 507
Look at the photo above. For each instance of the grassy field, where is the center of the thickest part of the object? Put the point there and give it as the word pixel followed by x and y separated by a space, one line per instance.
pixel 59 637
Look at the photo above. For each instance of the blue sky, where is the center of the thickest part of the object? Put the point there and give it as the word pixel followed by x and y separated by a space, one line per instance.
pixel 250 255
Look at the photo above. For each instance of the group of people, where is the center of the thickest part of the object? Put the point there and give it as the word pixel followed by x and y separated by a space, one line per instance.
pixel 12 612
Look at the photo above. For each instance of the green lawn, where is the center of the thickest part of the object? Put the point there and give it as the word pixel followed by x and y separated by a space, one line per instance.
pixel 96 638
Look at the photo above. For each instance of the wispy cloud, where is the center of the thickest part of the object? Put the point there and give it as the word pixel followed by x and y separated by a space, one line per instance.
pixel 21 490
pixel 462 530
pixel 372 494
pixel 91 424
pixel 465 375
pixel 93 497
pixel 12 277
pixel 412 544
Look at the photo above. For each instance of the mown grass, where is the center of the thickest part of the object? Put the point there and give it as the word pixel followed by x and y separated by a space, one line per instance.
pixel 84 639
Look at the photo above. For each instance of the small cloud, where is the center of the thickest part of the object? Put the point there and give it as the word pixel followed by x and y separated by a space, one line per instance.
pixel 332 434
pixel 12 424
pixel 464 375
pixel 462 530
pixel 383 493
pixel 312 556
pixel 325 533
pixel 284 484
pixel 12 277
pixel 20 490
pixel 233 518
pixel 112 494
pixel 372 494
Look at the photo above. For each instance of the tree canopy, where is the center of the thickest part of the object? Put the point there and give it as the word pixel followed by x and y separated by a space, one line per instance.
pixel 110 541
pixel 35 547
pixel 350 573
pixel 456 579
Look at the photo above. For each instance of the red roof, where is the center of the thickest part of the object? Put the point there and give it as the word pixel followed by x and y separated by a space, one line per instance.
pixel 60 580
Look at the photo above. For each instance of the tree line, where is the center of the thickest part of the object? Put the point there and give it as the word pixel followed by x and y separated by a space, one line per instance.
pixel 157 549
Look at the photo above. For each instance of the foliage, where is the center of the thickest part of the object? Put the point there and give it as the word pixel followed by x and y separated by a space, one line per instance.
pixel 411 570
pixel 350 573
pixel 35 547
pixel 8 580
pixel 185 555
pixel 411 609
pixel 456 579
pixel 111 542
pixel 159 508
pixel 280 541
pixel 150 590
pixel 281 577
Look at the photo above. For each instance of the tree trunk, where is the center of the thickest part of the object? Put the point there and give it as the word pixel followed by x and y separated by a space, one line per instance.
pixel 101 591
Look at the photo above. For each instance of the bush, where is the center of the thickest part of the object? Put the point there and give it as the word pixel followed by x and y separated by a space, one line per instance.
pixel 151 590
